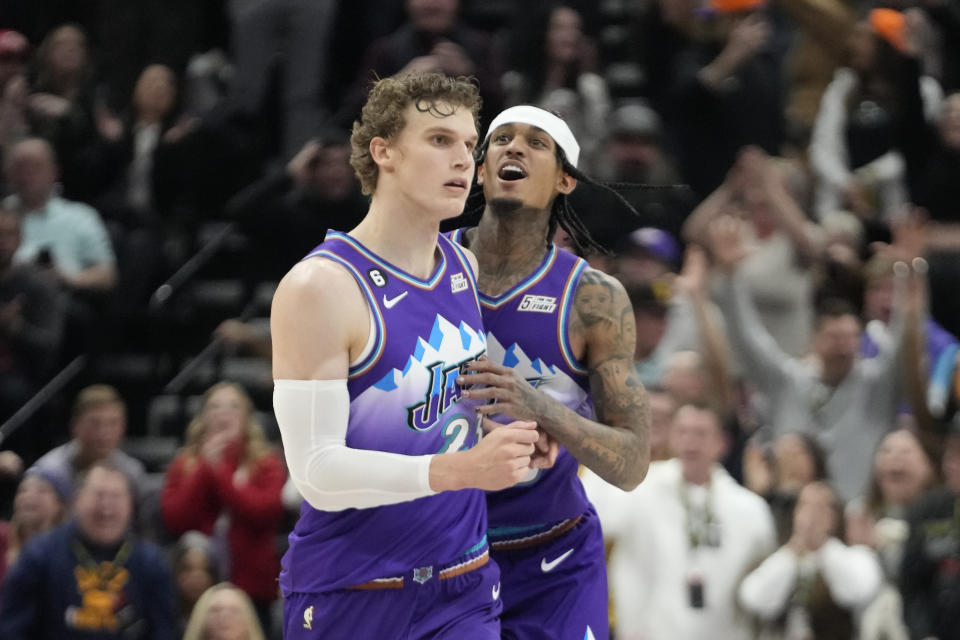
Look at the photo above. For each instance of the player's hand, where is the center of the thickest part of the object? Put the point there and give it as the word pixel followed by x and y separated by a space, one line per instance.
pixel 507 392
pixel 547 450
pixel 502 458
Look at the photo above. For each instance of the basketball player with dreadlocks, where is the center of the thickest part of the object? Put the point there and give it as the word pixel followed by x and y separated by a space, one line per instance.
pixel 560 342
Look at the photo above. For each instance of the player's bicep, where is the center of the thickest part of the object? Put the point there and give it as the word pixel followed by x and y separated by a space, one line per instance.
pixel 313 313
pixel 617 392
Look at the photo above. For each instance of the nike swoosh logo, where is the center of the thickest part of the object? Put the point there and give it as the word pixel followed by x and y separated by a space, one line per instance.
pixel 547 567
pixel 495 592
pixel 390 303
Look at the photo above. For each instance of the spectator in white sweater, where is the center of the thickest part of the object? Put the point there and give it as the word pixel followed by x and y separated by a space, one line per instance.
pixel 814 586
pixel 683 539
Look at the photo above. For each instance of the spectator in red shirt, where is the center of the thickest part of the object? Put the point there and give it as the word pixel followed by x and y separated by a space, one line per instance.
pixel 226 482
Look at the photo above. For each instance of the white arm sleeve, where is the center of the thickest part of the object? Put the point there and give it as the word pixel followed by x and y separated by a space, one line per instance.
pixel 312 416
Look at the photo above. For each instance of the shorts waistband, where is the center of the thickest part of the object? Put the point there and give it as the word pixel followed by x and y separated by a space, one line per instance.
pixel 476 557
pixel 535 539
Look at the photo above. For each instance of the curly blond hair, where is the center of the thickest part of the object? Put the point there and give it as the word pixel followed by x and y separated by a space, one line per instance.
pixel 382 115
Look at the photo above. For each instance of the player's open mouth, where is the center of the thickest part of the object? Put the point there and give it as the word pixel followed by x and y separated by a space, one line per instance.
pixel 511 172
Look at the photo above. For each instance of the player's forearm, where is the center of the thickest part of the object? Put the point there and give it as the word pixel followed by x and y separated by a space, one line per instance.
pixel 339 478
pixel 312 416
pixel 446 472
pixel 618 452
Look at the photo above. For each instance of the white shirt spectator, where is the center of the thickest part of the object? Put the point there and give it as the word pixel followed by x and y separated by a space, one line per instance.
pixel 852 574
pixel 654 559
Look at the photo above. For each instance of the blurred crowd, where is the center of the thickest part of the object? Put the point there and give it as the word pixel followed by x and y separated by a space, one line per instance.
pixel 791 250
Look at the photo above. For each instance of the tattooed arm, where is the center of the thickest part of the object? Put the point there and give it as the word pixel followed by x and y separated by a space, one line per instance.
pixel 615 446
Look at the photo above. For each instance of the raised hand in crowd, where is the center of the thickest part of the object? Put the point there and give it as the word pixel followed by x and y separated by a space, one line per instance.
pixel 109 126
pixel 452 59
pixel 911 232
pixel 300 165
pixel 692 279
pixel 747 37
pixel 814 521
pixel 11 465
pixel 446 57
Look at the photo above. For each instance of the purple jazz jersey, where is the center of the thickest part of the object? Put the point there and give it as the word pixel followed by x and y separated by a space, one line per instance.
pixel 527 329
pixel 403 399
pixel 557 590
pixel 461 608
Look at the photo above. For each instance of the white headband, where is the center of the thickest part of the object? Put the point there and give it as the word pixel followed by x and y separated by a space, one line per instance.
pixel 541 119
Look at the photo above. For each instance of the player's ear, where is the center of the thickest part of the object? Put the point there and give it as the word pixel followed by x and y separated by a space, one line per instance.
pixel 381 151
pixel 566 183
pixel 480 174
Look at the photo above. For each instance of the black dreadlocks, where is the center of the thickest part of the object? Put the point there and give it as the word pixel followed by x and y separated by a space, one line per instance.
pixel 562 213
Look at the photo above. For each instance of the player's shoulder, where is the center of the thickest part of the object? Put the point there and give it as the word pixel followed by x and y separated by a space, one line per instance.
pixel 319 282
pixel 316 272
pixel 598 293
pixel 592 276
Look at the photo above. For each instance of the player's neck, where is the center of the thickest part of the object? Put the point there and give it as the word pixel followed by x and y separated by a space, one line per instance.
pixel 515 237
pixel 407 242
pixel 508 248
